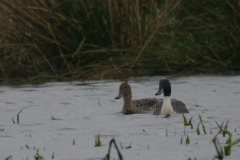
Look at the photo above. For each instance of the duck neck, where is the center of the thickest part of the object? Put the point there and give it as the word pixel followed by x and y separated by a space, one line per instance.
pixel 128 105
pixel 167 106
pixel 167 99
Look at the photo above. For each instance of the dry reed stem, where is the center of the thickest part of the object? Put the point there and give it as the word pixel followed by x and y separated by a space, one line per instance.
pixel 79 47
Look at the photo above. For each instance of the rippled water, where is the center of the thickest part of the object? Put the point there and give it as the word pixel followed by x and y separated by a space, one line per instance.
pixel 82 109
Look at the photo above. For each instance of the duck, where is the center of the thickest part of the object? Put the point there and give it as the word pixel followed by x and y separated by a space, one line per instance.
pixel 130 106
pixel 168 105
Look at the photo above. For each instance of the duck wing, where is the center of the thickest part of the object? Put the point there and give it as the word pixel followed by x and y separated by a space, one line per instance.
pixel 178 106
pixel 145 104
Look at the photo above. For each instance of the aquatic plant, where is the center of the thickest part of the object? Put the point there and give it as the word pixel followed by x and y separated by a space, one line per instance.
pixel 17 117
pixel 38 156
pixel 222 130
pixel 53 155
pixel 97 141
pixel 227 148
pixel 27 146
pixel 52 117
pixel 203 127
pixel 121 145
pixel 197 129
pixel 9 158
pixel 187 123
pixel 195 103
pixel 187 140
pixel 13 120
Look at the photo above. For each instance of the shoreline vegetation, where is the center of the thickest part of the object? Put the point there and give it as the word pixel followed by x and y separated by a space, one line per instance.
pixel 59 40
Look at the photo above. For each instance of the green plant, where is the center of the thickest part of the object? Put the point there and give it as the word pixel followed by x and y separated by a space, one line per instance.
pixel 204 130
pixel 38 156
pixel 187 140
pixel 197 129
pixel 97 141
pixel 13 120
pixel 187 123
pixel 17 117
pixel 203 127
pixel 222 130
pixel 227 148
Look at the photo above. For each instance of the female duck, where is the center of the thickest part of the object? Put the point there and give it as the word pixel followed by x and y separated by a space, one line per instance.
pixel 130 106
pixel 168 106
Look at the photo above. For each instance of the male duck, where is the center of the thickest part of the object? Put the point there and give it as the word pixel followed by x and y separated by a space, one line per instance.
pixel 168 106
pixel 130 106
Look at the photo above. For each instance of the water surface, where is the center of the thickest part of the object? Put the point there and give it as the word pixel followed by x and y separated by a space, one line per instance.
pixel 84 109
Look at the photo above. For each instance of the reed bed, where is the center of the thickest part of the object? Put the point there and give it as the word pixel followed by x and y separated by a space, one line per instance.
pixel 46 40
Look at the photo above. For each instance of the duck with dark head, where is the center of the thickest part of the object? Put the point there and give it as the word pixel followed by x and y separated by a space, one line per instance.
pixel 168 105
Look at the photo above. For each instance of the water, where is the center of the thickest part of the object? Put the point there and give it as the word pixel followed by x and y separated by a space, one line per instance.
pixel 82 110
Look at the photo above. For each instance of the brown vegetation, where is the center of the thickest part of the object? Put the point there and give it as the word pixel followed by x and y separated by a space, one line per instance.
pixel 42 40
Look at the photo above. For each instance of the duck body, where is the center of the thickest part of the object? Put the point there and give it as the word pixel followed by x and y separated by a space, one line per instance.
pixel 168 105
pixel 177 107
pixel 130 106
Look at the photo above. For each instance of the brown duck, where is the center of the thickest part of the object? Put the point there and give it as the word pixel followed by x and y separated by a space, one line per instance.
pixel 129 105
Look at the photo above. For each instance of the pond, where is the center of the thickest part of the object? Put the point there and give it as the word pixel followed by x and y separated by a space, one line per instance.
pixel 83 109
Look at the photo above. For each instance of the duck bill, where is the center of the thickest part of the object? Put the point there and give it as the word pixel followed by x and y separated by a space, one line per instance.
pixel 120 94
pixel 159 91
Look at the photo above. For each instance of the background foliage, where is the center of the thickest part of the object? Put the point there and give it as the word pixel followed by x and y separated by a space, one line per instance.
pixel 44 40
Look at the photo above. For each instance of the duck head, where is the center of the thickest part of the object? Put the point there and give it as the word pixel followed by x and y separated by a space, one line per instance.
pixel 165 87
pixel 126 93
pixel 124 90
